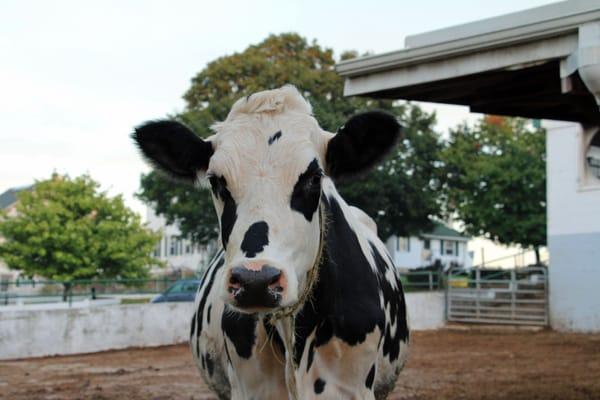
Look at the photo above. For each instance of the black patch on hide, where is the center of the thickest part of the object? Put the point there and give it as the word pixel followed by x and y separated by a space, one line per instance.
pixel 370 378
pixel 273 138
pixel 241 331
pixel 307 191
pixel 394 299
pixel 346 297
pixel 229 216
pixel 255 239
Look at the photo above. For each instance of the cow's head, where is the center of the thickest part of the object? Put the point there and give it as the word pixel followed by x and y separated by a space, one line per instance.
pixel 267 164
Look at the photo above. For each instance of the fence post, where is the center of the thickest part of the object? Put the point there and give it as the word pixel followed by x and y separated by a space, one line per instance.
pixel 430 276
pixel 446 292
pixel 513 293
pixel 478 287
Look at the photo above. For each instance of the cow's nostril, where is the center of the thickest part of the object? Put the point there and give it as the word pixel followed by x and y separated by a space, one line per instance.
pixel 234 280
pixel 275 279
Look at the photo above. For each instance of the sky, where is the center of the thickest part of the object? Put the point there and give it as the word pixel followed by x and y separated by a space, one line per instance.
pixel 77 76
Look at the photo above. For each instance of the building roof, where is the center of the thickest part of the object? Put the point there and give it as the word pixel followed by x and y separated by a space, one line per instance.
pixel 442 231
pixel 9 197
pixel 539 63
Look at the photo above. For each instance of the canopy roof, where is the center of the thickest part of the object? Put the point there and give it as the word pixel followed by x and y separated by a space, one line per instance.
pixel 539 63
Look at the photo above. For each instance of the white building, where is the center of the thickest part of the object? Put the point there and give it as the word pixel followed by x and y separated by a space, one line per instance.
pixel 179 254
pixel 442 245
pixel 542 63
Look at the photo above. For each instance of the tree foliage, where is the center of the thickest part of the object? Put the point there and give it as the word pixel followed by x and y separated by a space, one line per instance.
pixel 496 180
pixel 290 59
pixel 66 229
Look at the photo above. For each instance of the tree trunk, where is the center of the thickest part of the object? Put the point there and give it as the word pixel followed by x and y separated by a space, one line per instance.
pixel 66 290
pixel 537 256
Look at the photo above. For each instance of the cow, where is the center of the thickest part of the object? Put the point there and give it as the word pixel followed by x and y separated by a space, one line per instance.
pixel 303 300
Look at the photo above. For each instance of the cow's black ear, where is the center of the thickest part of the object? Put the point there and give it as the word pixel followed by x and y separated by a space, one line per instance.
pixel 361 143
pixel 173 148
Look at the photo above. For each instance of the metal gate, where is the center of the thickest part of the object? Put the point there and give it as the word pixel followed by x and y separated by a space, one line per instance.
pixel 515 296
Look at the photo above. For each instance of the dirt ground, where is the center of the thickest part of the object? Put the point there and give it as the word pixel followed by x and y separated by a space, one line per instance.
pixel 447 364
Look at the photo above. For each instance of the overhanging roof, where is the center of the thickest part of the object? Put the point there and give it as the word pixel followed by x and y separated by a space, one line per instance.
pixel 535 63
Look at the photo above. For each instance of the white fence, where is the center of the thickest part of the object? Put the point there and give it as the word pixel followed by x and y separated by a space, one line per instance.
pixel 35 333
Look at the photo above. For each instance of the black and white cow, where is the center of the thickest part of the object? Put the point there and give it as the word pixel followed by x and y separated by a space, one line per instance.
pixel 272 171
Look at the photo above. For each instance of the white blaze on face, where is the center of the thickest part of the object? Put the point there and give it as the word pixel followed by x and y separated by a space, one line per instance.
pixel 267 158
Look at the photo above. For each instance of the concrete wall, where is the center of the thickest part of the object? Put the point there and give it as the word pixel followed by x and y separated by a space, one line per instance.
pixel 85 330
pixel 573 231
pixel 426 310
pixel 52 332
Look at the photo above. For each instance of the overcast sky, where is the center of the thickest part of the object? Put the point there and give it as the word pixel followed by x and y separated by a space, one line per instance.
pixel 76 76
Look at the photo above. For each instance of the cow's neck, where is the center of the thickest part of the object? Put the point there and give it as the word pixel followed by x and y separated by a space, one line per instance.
pixel 338 293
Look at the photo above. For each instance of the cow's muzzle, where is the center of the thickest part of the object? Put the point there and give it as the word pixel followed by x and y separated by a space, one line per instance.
pixel 256 287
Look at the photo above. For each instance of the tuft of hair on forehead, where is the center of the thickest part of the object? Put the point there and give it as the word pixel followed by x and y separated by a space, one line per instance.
pixel 285 99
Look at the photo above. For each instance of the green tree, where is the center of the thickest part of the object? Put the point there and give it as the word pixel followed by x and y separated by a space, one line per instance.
pixel 289 58
pixel 496 180
pixel 66 229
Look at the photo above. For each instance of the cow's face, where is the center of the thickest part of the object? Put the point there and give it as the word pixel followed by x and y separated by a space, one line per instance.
pixel 266 166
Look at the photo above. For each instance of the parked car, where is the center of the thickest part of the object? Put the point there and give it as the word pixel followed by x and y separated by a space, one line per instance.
pixel 184 290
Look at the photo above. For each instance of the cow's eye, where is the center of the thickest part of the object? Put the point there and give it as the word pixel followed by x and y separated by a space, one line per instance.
pixel 315 180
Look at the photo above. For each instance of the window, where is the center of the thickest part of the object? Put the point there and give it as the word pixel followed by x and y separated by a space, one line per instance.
pixel 402 244
pixel 188 248
pixel 448 247
pixel 589 159
pixel 173 247
pixel 427 244
pixel 592 157
pixel 157 249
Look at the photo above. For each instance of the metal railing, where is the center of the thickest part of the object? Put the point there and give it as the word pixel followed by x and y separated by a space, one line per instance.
pixel 512 296
pixel 48 291
pixel 422 280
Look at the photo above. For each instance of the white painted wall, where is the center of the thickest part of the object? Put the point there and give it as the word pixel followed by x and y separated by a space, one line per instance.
pixel 426 310
pixel 52 332
pixel 574 200
pixel 573 231
pixel 84 330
